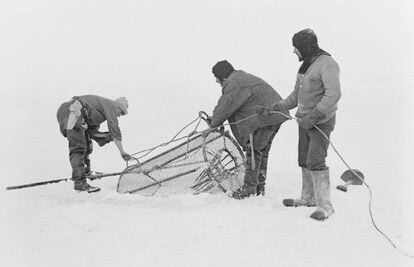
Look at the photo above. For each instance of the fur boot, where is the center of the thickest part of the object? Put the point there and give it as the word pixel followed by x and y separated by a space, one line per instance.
pixel 321 185
pixel 308 195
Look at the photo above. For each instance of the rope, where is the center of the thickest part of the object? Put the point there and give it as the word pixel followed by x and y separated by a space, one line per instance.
pixel 362 180
pixel 174 139
pixel 291 118
pixel 370 198
pixel 192 133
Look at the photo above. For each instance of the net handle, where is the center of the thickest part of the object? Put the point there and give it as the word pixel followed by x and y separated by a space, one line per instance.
pixel 203 115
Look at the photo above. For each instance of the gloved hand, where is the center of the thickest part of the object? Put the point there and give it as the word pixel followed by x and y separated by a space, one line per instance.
pixel 309 121
pixel 126 156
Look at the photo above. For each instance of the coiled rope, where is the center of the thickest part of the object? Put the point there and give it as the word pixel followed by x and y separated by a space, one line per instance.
pixel 175 139
pixel 362 180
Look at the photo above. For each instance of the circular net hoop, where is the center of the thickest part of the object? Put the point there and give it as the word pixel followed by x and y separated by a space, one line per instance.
pixel 212 164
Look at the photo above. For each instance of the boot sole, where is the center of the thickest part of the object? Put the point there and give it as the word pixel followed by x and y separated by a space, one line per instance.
pixel 94 191
pixel 243 197
pixel 290 203
pixel 88 191
pixel 317 217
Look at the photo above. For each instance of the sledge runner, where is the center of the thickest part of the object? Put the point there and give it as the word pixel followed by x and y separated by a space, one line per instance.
pixel 316 95
pixel 241 92
pixel 79 120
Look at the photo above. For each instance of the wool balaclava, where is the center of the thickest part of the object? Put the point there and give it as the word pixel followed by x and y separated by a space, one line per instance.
pixel 222 70
pixel 306 42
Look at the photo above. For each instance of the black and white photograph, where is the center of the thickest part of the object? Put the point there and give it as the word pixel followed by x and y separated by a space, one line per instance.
pixel 206 133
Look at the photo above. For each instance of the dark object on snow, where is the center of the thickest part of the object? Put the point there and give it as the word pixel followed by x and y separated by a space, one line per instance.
pixel 351 177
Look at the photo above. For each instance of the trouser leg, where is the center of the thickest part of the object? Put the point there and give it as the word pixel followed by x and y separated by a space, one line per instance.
pixel 313 146
pixel 89 149
pixel 262 140
pixel 77 150
pixel 265 155
pixel 313 150
pixel 87 162
pixel 263 166
pixel 251 176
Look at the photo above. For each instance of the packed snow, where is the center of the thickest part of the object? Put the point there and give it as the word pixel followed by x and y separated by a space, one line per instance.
pixel 159 55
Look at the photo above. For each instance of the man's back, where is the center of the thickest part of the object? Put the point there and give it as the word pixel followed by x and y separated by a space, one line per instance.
pixel 242 92
pixel 258 91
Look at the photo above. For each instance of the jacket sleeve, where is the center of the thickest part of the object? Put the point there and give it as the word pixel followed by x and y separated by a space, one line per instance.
pixel 291 101
pixel 229 102
pixel 330 79
pixel 112 120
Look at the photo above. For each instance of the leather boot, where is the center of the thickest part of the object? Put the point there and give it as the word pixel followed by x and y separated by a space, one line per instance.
pixel 244 191
pixel 83 186
pixel 80 184
pixel 321 185
pixel 307 197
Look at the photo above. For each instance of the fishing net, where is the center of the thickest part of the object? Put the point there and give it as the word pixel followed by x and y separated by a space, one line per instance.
pixel 211 164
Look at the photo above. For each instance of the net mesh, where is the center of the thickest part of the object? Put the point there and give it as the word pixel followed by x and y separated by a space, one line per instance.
pixel 212 164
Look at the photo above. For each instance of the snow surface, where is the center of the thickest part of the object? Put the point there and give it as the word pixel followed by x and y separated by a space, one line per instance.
pixel 55 226
pixel 159 55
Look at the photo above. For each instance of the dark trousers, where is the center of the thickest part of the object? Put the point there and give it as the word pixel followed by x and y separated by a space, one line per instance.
pixel 262 141
pixel 80 145
pixel 313 146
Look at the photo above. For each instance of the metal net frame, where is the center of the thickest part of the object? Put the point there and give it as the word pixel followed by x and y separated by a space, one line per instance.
pixel 214 163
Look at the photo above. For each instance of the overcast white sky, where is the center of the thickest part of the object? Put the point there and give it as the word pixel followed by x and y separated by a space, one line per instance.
pixel 159 55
